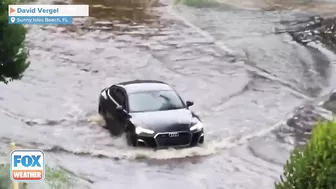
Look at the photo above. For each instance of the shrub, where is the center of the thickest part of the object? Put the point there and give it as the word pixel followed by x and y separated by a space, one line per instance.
pixel 13 54
pixel 313 166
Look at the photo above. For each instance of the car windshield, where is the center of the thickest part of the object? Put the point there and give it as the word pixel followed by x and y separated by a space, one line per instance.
pixel 154 101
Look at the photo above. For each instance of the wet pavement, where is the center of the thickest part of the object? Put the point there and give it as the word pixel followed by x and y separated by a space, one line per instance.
pixel 241 67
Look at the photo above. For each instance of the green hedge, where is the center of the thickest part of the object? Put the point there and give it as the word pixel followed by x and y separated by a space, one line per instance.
pixel 13 54
pixel 314 165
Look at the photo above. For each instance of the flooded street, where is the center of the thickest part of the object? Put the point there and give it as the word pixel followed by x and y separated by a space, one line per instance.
pixel 237 62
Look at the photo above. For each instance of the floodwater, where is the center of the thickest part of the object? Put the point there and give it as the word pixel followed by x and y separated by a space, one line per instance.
pixel 236 61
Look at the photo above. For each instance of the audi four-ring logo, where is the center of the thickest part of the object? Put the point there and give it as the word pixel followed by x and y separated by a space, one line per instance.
pixel 174 134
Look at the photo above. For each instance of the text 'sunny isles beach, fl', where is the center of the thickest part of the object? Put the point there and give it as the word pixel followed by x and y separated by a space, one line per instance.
pixel 45 14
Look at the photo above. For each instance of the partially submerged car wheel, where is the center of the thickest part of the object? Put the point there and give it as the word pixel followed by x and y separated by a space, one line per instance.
pixel 131 141
pixel 112 128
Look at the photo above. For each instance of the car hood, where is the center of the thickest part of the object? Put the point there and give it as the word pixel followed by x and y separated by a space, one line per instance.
pixel 163 121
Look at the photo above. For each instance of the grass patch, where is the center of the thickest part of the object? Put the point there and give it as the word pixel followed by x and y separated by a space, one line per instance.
pixel 4 176
pixel 58 178
pixel 198 3
pixel 54 178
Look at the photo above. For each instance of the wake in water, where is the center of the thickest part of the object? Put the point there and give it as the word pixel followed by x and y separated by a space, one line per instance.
pixel 93 140
pixel 211 146
pixel 299 122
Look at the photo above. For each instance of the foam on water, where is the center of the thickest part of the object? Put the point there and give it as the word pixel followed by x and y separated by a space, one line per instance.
pixel 96 119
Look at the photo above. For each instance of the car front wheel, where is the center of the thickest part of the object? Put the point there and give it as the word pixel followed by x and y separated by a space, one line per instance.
pixel 110 125
pixel 131 138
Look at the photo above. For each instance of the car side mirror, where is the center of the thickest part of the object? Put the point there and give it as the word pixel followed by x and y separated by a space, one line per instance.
pixel 189 103
pixel 120 110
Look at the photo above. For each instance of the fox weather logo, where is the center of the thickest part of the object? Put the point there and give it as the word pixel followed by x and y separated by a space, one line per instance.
pixel 27 166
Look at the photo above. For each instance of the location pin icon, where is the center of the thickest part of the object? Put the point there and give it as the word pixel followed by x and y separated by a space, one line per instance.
pixel 13 19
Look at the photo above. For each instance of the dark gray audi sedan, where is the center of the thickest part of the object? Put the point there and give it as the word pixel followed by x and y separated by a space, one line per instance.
pixel 151 114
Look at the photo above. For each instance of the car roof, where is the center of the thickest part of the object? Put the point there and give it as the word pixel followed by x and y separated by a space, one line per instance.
pixel 144 85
